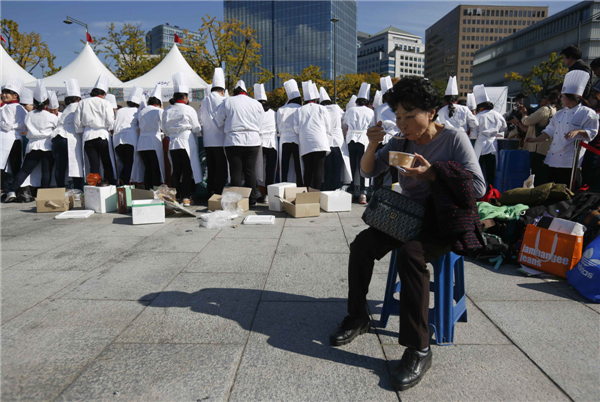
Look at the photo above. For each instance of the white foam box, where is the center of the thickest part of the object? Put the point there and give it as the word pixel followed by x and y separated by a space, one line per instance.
pixel 100 199
pixel 277 190
pixel 336 201
pixel 147 211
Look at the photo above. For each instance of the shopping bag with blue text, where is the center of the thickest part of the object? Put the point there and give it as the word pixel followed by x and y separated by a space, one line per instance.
pixel 585 277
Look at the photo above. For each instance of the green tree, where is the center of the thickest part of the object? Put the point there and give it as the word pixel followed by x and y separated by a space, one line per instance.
pixel 541 78
pixel 440 86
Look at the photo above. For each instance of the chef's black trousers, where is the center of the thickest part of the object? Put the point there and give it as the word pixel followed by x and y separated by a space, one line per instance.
pixel 216 162
pixel 14 158
pixel 334 165
pixel 125 153
pixel 590 170
pixel 181 178
pixel 32 158
pixel 288 150
pixel 242 167
pixel 357 150
pixel 563 176
pixel 314 169
pixel 412 257
pixel 152 175
pixel 98 150
pixel 270 156
pixel 488 168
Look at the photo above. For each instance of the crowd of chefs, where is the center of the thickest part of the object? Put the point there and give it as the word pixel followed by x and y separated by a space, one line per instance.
pixel 310 140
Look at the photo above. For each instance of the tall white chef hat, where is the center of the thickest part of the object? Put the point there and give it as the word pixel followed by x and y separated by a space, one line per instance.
pixel 226 93
pixel 377 100
pixel 575 82
pixel 218 78
pixel 157 92
pixel 26 96
pixel 310 91
pixel 102 83
pixel 53 100
pixel 72 86
pixel 136 95
pixel 112 100
pixel 480 94
pixel 386 84
pixel 180 83
pixel 323 95
pixel 351 103
pixel 452 87
pixel 364 90
pixel 241 84
pixel 259 92
pixel 291 89
pixel 314 90
pixel 40 93
pixel 471 104
pixel 144 102
pixel 14 84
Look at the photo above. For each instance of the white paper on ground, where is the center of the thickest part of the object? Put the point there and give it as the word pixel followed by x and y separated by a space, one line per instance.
pixel 530 271
pixel 77 214
pixel 259 220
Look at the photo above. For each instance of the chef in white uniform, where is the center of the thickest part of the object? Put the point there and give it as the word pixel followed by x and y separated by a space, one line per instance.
pixel 455 115
pixel 95 119
pixel 12 124
pixel 40 125
pixel 242 117
pixel 126 133
pixel 113 102
pixel 66 141
pixel 213 136
pixel 289 144
pixel 26 99
pixel 358 119
pixel 491 126
pixel 150 143
pixel 573 122
pixel 267 161
pixel 180 123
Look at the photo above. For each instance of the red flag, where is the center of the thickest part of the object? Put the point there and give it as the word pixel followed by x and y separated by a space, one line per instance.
pixel 3 39
pixel 177 39
pixel 89 37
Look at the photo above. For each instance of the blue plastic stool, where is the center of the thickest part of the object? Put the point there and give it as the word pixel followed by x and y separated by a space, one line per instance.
pixel 448 287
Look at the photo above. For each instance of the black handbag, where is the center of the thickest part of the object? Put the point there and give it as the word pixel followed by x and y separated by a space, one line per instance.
pixel 395 215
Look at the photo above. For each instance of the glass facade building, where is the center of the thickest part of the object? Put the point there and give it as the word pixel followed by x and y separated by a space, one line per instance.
pixel 163 37
pixel 296 34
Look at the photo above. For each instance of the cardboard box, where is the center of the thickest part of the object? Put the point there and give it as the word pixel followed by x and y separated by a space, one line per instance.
pixel 53 200
pixel 147 211
pixel 141 194
pixel 101 199
pixel 301 202
pixel 214 203
pixel 336 201
pixel 275 192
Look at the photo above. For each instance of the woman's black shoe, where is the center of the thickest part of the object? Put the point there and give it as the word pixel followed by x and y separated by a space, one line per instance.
pixel 411 369
pixel 348 330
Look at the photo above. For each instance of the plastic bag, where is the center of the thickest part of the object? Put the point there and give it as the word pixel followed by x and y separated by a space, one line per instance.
pixel 164 191
pixel 229 202
pixel 529 182
pixel 76 193
pixel 217 219
pixel 585 276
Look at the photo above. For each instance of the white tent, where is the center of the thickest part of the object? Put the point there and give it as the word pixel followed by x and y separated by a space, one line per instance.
pixel 172 63
pixel 86 68
pixel 10 67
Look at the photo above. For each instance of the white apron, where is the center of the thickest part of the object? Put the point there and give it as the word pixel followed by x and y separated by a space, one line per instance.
pixel 191 147
pixel 7 141
pixel 139 169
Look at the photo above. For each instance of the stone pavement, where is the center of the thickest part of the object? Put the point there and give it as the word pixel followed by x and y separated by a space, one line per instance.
pixel 99 309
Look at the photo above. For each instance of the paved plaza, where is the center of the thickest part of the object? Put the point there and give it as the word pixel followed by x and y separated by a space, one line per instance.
pixel 98 309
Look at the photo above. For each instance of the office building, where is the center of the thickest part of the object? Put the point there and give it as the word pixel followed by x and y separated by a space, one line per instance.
pixel 297 34
pixel 163 37
pixel 391 52
pixel 533 45
pixel 453 40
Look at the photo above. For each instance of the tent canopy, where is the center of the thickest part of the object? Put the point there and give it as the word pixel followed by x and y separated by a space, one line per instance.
pixel 10 67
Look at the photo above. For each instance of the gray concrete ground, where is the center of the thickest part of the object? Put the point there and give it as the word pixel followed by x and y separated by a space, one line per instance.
pixel 99 309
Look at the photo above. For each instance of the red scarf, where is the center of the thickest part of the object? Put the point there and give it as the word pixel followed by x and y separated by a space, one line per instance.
pixel 180 101
pixel 11 102
pixel 243 93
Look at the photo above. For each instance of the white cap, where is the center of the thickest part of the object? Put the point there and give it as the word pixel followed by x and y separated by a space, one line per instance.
pixel 26 96
pixel 14 84
pixel 136 95
pixel 72 86
pixel 480 94
pixel 241 84
pixel 157 92
pixel 377 100
pixel 259 92
pixel 452 87
pixel 386 84
pixel 180 83
pixel 364 90
pixel 323 96
pixel 471 104
pixel 291 89
pixel 218 78
pixel 40 93
pixel 575 82
pixel 53 104
pixel 351 103
pixel 310 91
pixel 112 100
pixel 102 83
pixel 315 90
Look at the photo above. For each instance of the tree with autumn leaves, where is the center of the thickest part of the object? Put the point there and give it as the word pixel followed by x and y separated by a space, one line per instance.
pixel 541 78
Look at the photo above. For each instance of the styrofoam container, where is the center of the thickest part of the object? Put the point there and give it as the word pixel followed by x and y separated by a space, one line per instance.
pixel 100 199
pixel 76 214
pixel 147 211
pixel 276 191
pixel 259 220
pixel 336 201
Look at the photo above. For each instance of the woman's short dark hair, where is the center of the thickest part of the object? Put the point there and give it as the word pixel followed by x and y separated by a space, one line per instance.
pixel 97 92
pixel 71 99
pixel 485 106
pixel 238 90
pixel 297 100
pixel 362 102
pixel 132 104
pixel 462 102
pixel 154 101
pixel 265 105
pixel 39 106
pixel 413 93
pixel 326 103
pixel 450 99
pixel 571 52
pixel 595 63
pixel 577 99
pixel 179 96
pixel 13 93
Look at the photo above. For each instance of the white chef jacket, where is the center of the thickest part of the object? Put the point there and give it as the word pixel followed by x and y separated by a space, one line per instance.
pixel 285 123
pixel 491 125
pixel 242 117
pixel 311 122
pixel 562 151
pixel 40 125
pixel 179 121
pixel 94 118
pixel 126 126
pixel 461 118
pixel 336 135
pixel 150 122
pixel 12 120
pixel 66 121
pixel 358 120
pixel 212 134
pixel 268 130
pixel 384 114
